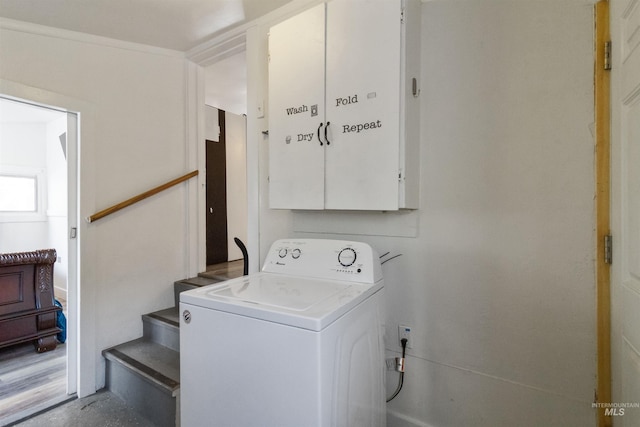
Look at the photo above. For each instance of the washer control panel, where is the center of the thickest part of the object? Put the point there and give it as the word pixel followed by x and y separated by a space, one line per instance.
pixel 326 259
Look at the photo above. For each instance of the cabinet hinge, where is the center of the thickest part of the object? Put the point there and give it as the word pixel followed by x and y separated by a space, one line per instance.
pixel 608 253
pixel 607 55
pixel 402 16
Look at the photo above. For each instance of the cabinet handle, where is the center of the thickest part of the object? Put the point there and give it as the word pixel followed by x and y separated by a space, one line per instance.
pixel 319 138
pixel 326 138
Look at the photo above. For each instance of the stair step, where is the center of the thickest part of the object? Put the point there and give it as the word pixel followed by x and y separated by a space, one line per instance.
pixel 225 270
pixel 147 376
pixel 192 283
pixel 145 372
pixel 163 327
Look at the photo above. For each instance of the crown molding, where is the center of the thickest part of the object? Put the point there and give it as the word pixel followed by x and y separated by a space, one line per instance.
pixel 218 49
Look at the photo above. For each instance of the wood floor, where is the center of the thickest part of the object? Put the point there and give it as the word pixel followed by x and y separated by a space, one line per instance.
pixel 31 382
pixel 224 270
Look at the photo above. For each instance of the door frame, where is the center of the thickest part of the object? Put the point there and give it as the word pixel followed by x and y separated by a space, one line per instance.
pixel 602 112
pixel 72 130
pixel 82 317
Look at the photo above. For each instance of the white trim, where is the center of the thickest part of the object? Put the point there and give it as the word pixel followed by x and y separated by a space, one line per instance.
pixel 76 353
pixel 254 138
pixel 195 257
pixel 201 158
pixel 83 357
pixel 43 30
pixel 234 41
pixel 398 419
pixel 60 293
pixel 206 55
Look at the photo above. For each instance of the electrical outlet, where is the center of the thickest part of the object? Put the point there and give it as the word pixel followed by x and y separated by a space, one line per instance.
pixel 404 332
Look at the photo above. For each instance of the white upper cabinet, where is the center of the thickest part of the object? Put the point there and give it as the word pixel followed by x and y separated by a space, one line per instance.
pixel 343 117
pixel 296 109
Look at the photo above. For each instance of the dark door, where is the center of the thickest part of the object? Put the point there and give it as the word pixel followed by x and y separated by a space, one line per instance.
pixel 217 198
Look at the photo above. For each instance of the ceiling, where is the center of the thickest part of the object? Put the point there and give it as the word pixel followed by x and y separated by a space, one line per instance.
pixel 172 24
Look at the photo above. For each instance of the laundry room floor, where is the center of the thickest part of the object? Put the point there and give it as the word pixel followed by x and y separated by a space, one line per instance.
pixel 103 409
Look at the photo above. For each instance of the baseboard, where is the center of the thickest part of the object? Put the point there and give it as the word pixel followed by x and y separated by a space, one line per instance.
pixel 396 419
pixel 60 293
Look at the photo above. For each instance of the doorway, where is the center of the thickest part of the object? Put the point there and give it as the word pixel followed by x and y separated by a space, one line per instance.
pixel 225 120
pixel 226 186
pixel 217 250
pixel 40 140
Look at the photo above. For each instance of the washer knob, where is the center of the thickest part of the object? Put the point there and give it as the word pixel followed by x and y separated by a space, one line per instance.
pixel 295 254
pixel 282 252
pixel 347 257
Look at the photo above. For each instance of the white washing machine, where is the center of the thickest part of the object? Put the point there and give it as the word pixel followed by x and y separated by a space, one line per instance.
pixel 299 344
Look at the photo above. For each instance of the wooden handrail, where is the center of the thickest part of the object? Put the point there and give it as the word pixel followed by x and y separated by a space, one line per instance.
pixel 139 197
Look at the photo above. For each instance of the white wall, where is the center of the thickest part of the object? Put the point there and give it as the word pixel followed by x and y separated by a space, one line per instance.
pixel 496 275
pixel 132 104
pixel 497 281
pixel 236 151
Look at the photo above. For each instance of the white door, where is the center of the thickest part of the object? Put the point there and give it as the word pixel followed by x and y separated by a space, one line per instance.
pixel 296 111
pixel 625 33
pixel 363 104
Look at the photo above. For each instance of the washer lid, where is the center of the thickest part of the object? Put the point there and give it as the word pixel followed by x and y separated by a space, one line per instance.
pixel 296 301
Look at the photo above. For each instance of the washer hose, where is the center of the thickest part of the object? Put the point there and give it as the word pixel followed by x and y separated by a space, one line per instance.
pixel 403 341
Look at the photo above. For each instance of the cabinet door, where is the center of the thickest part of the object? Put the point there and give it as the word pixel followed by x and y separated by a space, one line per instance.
pixel 296 110
pixel 363 104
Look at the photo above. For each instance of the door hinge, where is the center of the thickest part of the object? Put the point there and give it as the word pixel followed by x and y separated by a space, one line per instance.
pixel 607 55
pixel 608 253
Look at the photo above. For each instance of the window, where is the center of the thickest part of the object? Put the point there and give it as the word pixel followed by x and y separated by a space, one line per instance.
pixel 18 193
pixel 21 194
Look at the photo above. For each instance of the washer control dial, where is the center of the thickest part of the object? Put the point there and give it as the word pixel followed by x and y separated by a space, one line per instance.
pixel 295 254
pixel 282 252
pixel 347 257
